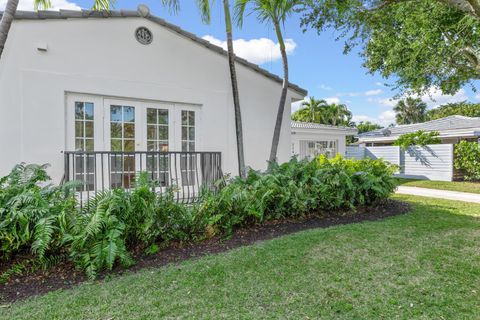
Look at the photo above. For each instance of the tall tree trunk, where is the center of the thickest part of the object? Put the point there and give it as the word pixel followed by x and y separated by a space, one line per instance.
pixel 283 97
pixel 6 22
pixel 236 98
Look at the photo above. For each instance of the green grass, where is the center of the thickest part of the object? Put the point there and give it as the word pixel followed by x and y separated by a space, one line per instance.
pixel 423 265
pixel 462 186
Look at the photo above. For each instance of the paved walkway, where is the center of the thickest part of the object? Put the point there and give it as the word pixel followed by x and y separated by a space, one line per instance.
pixel 441 194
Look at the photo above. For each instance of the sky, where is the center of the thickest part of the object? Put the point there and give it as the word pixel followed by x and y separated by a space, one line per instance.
pixel 316 62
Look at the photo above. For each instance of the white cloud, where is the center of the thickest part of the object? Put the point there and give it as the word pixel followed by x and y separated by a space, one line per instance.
pixel 325 87
pixel 27 5
pixel 331 100
pixel 380 84
pixel 257 51
pixel 477 96
pixel 384 119
pixel 434 97
pixel 373 92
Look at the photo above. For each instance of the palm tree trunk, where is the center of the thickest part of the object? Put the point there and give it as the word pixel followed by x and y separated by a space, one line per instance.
pixel 283 97
pixel 6 22
pixel 236 98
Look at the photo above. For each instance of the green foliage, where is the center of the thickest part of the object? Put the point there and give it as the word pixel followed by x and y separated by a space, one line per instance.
pixel 467 159
pixel 423 44
pixel 460 108
pixel 319 111
pixel 419 138
pixel 34 215
pixel 367 126
pixel 410 110
pixel 47 221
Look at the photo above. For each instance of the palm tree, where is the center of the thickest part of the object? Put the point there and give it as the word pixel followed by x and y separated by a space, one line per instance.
pixel 275 12
pixel 410 110
pixel 311 111
pixel 338 115
pixel 204 6
pixel 11 8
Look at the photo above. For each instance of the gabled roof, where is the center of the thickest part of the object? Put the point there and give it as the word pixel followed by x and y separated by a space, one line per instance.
pixel 313 126
pixel 144 13
pixel 448 123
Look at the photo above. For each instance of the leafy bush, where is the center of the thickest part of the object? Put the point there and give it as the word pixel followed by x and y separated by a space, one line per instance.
pixel 34 215
pixel 46 219
pixel 419 138
pixel 467 159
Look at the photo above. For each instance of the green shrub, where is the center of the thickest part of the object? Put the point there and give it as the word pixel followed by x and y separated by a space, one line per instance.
pixel 112 224
pixel 419 138
pixel 467 159
pixel 34 215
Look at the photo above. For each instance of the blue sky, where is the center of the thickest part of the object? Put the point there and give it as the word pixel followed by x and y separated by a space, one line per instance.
pixel 316 61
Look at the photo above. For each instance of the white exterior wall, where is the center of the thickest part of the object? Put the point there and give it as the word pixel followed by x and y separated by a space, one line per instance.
pixel 318 135
pixel 101 57
pixel 432 162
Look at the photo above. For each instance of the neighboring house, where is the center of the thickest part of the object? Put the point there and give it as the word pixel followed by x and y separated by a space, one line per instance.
pixel 121 87
pixel 452 130
pixel 312 139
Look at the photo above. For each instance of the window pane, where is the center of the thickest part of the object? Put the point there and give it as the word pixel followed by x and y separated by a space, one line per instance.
pixel 88 111
pixel 152 132
pixel 116 130
pixel 116 145
pixel 79 145
pixel 163 116
pixel 151 146
pixel 184 133
pixel 89 145
pixel 79 110
pixel 184 118
pixel 164 147
pixel 79 129
pixel 191 134
pixel 115 113
pixel 129 145
pixel 191 146
pixel 89 129
pixel 151 115
pixel 191 118
pixel 184 146
pixel 129 130
pixel 163 133
pixel 128 114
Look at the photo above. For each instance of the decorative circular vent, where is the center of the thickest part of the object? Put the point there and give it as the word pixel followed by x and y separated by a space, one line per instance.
pixel 143 35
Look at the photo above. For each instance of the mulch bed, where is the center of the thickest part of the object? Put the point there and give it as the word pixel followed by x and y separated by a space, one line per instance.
pixel 64 275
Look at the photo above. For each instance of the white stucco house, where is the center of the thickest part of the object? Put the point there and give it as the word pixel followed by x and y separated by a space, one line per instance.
pixel 98 95
pixel 312 139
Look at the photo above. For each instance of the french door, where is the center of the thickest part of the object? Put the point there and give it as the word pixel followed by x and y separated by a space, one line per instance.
pixel 132 136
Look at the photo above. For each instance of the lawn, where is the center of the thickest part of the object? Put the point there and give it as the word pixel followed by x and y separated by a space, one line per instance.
pixel 462 186
pixel 421 265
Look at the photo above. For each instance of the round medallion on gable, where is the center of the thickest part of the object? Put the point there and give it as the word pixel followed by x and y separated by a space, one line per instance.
pixel 144 35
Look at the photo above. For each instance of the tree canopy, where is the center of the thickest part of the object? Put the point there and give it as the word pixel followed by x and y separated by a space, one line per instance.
pixel 319 111
pixel 410 110
pixel 460 108
pixel 424 43
pixel 367 126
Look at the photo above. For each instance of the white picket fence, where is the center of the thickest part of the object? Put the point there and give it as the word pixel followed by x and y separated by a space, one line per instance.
pixel 432 162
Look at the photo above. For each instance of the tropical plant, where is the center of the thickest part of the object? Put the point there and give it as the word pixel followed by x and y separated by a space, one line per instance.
pixel 34 215
pixel 467 159
pixel 367 126
pixel 319 111
pixel 311 111
pixel 275 12
pixel 204 6
pixel 451 109
pixel 410 110
pixel 421 44
pixel 419 138
pixel 11 8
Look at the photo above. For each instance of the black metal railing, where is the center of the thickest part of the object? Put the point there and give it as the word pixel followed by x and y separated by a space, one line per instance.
pixel 186 174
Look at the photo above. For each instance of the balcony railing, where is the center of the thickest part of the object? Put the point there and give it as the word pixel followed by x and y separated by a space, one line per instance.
pixel 184 173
